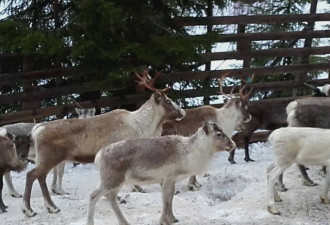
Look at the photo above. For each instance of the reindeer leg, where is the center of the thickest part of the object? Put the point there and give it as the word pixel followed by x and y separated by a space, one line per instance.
pixel 231 157
pixel 167 216
pixel 280 185
pixel 305 178
pixel 247 155
pixel 2 205
pixel 49 204
pixel 60 174
pixel 93 198
pixel 193 184
pixel 54 182
pixel 11 188
pixel 26 207
pixel 112 198
pixel 324 196
pixel 272 175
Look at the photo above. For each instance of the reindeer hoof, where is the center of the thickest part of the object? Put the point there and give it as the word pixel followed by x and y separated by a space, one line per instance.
pixel 194 187
pixel 59 191
pixel 16 195
pixel 249 159
pixel 53 209
pixel 121 200
pixel 3 210
pixel 277 199
pixel 273 211
pixel 137 188
pixel 309 183
pixel 232 161
pixel 324 200
pixel 174 220
pixel 281 187
pixel 29 213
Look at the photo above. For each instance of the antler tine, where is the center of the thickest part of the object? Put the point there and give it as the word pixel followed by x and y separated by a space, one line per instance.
pixel 164 90
pixel 241 91
pixel 145 80
pixel 245 96
pixel 220 81
pixel 153 80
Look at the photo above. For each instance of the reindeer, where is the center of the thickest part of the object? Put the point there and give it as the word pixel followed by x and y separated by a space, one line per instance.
pixel 268 115
pixel 58 171
pixel 230 116
pixel 301 145
pixel 11 158
pixel 23 131
pixel 307 112
pixel 164 160
pixel 79 140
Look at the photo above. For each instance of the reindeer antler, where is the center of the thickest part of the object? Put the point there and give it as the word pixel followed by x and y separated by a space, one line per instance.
pixel 148 82
pixel 220 80
pixel 241 91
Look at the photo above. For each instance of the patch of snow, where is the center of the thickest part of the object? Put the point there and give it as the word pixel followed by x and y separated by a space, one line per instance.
pixel 231 194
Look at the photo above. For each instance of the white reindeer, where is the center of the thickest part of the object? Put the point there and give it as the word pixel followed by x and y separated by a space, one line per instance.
pixel 164 160
pixel 231 116
pixel 79 140
pixel 300 145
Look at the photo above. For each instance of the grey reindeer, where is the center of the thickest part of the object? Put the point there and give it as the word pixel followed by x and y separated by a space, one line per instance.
pixel 23 131
pixel 163 160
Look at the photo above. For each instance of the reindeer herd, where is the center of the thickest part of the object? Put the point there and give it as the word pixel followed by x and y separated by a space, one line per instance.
pixel 162 143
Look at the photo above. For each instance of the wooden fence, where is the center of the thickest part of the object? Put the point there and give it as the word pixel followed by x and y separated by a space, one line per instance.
pixel 35 94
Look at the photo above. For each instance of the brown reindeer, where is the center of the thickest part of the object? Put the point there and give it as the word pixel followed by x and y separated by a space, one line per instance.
pixel 79 140
pixel 10 158
pixel 267 115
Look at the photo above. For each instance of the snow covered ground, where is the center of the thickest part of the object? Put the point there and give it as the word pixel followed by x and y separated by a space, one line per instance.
pixel 231 194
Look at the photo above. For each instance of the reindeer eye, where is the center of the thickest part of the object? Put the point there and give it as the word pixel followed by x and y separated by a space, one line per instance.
pixel 219 134
pixel 168 101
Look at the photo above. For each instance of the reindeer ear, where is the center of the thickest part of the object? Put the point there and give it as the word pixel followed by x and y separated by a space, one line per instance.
pixel 206 127
pixel 10 136
pixel 157 96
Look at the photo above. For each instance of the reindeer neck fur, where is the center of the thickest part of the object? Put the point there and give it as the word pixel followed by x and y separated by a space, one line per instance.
pixel 147 119
pixel 228 118
pixel 198 155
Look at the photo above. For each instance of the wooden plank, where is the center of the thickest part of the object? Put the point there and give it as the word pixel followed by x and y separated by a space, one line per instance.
pixel 281 85
pixel 64 109
pixel 44 93
pixel 278 52
pixel 258 19
pixel 243 72
pixel 282 35
pixel 9 78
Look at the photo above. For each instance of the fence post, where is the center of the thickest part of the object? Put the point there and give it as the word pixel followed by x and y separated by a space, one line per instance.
pixel 28 65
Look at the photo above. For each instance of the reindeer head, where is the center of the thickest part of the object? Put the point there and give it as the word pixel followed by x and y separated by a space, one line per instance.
pixel 239 105
pixel 220 140
pixel 171 111
pixel 85 113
